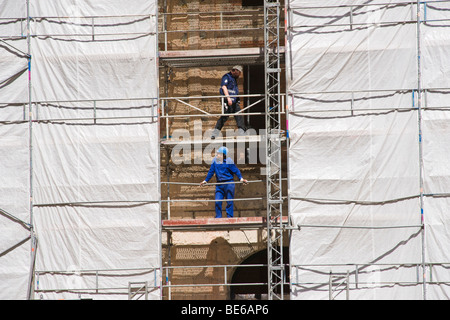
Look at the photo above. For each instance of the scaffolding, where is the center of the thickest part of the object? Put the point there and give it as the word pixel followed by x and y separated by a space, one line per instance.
pixel 270 55
pixel 276 276
pixel 176 50
pixel 347 102
pixel 66 39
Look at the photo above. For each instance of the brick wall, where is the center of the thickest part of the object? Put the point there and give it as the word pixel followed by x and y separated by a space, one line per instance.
pixel 201 24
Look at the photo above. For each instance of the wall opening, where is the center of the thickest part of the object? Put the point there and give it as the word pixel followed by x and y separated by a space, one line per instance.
pixel 256 276
pixel 252 3
pixel 254 84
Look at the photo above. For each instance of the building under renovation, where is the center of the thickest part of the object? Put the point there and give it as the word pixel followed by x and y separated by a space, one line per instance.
pixel 107 130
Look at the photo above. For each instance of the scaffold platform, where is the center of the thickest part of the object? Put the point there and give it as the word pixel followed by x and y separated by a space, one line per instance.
pixel 216 223
pixel 193 58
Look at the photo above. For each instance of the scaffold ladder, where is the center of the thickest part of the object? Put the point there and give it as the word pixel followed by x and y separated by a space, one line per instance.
pixel 273 149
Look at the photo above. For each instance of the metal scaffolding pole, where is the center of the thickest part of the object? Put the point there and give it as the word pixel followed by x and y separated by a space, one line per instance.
pixel 30 293
pixel 273 149
pixel 421 168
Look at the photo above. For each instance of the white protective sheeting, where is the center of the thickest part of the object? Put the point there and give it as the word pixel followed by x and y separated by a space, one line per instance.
pixel 95 150
pixel 15 248
pixel 352 72
pixel 436 131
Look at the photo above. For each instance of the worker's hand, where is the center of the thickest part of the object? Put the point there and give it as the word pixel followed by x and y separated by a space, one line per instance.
pixel 244 181
pixel 202 183
pixel 230 102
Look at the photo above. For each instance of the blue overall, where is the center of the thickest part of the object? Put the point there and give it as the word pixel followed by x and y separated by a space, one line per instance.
pixel 224 173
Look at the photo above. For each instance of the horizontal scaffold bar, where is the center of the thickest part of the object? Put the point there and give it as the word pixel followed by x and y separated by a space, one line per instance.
pixel 216 223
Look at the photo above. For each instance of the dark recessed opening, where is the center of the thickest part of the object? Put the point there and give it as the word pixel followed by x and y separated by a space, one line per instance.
pixel 254 84
pixel 252 3
pixel 255 275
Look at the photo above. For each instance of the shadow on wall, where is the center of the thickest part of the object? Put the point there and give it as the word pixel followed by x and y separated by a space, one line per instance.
pixel 220 253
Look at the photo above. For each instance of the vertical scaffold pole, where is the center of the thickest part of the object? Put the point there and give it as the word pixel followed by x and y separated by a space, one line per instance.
pixel 30 293
pixel 273 149
pixel 421 168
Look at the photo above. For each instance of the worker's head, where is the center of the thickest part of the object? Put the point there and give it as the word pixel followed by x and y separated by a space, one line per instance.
pixel 236 71
pixel 222 153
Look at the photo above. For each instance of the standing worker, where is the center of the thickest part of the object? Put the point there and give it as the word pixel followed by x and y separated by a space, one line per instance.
pixel 229 88
pixel 225 169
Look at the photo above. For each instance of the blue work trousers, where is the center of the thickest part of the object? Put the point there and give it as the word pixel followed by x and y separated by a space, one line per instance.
pixel 224 191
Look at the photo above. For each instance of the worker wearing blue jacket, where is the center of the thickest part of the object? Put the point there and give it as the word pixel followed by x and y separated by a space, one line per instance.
pixel 224 169
pixel 230 90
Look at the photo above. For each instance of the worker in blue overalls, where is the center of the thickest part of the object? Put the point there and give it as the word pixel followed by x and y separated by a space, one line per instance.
pixel 224 169
pixel 230 90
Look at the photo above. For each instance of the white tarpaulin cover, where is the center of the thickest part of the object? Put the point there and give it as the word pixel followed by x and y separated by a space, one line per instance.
pixel 94 147
pixel 15 256
pixel 356 148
